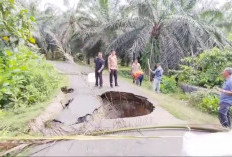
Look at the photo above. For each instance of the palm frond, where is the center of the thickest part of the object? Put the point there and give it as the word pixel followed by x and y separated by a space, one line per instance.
pixel 91 42
pixel 125 23
pixel 171 51
pixel 123 39
pixel 190 4
pixel 61 48
pixel 140 42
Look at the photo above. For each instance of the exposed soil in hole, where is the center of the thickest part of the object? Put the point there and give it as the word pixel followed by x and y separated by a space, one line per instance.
pixel 119 105
pixel 127 104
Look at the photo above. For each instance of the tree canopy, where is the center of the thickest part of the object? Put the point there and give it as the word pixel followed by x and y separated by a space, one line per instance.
pixel 162 30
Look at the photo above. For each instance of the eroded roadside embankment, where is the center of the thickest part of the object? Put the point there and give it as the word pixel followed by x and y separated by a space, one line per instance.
pixel 59 103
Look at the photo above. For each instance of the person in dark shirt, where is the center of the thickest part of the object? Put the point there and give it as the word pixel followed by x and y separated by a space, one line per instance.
pixel 99 66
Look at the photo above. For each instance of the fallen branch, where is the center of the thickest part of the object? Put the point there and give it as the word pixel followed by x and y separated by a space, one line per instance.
pixel 98 134
pixel 24 142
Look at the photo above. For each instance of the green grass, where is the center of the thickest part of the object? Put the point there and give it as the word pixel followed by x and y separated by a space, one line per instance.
pixel 182 110
pixel 175 103
pixel 13 124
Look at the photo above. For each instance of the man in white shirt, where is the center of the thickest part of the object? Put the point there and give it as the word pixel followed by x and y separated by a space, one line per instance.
pixel 113 68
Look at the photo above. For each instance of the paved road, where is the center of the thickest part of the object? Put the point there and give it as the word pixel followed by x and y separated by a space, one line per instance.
pixel 86 95
pixel 171 145
pixel 86 100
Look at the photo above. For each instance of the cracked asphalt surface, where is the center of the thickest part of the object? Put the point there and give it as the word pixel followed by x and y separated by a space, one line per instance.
pixel 86 100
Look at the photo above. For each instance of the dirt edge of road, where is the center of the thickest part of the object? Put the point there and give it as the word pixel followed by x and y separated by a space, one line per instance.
pixel 58 104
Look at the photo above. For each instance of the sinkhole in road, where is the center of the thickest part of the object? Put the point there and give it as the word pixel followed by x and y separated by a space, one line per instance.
pixel 117 104
pixel 127 104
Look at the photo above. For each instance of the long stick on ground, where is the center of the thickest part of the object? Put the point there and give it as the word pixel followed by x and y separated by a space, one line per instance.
pixel 148 62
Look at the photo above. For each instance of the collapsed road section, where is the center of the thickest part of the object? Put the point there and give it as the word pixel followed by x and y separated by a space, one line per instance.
pixel 114 105
pixel 127 104
pixel 119 105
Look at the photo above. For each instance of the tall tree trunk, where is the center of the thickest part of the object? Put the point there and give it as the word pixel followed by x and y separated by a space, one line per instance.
pixel 88 60
pixel 150 58
pixel 123 61
pixel 151 49
pixel 134 57
pixel 157 51
pixel 53 55
pixel 128 62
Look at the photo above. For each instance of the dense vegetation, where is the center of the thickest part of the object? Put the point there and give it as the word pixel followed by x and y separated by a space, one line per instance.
pixel 162 30
pixel 25 77
pixel 205 70
pixel 205 101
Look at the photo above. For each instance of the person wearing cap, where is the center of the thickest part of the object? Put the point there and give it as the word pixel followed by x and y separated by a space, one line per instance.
pixel 113 68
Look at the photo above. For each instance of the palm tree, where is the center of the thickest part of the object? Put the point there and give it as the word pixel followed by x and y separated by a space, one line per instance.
pixel 172 30
pixel 98 18
pixel 224 21
pixel 53 28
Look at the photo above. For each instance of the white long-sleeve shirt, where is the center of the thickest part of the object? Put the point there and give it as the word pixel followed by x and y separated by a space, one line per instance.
pixel 158 73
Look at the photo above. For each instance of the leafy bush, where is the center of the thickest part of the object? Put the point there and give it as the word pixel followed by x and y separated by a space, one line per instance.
pixel 15 25
pixel 205 101
pixel 125 72
pixel 25 78
pixel 168 85
pixel 209 104
pixel 205 69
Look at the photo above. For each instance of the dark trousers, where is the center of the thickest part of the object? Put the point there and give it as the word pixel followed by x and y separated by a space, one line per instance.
pixel 224 115
pixel 139 80
pixel 114 73
pixel 98 76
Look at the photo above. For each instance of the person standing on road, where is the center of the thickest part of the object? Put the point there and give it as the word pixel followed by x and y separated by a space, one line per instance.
pixel 135 68
pixel 158 72
pixel 113 68
pixel 99 66
pixel 225 99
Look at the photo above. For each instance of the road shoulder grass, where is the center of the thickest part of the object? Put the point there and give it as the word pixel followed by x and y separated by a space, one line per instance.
pixel 13 124
pixel 177 105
